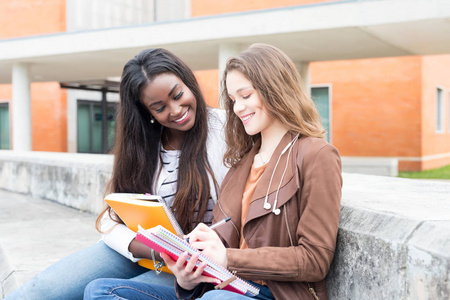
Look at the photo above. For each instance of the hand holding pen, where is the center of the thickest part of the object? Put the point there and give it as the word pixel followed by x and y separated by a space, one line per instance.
pixel 202 237
pixel 215 225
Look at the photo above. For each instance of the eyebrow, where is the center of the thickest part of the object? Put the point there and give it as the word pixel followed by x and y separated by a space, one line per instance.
pixel 155 103
pixel 173 89
pixel 242 88
pixel 170 93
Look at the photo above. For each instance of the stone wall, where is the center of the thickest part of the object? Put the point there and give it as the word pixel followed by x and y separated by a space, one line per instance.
pixel 370 165
pixel 393 241
pixel 394 235
pixel 75 180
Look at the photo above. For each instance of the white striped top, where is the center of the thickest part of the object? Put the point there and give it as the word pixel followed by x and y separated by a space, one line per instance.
pixel 168 186
pixel 118 236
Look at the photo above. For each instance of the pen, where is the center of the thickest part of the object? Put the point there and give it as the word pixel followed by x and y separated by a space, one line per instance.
pixel 215 225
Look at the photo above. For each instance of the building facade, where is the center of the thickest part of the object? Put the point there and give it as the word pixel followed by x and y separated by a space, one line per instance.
pixel 383 107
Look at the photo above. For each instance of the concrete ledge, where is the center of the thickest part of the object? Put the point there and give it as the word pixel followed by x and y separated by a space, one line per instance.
pixel 393 240
pixel 75 180
pixel 370 165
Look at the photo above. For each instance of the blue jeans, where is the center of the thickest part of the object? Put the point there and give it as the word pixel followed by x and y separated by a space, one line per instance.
pixel 110 288
pixel 67 278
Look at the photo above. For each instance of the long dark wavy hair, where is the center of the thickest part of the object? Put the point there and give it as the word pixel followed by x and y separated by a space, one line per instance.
pixel 138 141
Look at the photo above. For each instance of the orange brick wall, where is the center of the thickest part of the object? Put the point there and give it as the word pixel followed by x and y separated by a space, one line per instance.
pixel 209 83
pixel 376 105
pixel 208 7
pixel 49 117
pixel 436 73
pixel 5 92
pixel 21 18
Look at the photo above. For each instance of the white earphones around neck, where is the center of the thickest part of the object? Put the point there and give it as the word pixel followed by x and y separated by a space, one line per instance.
pixel 267 205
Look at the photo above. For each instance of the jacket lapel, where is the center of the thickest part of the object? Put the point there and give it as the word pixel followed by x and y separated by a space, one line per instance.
pixel 288 184
pixel 236 179
pixel 231 196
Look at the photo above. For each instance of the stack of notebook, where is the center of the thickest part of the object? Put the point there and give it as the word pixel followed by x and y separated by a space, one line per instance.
pixel 162 240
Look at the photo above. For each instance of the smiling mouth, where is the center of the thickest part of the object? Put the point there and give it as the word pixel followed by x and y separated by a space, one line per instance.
pixel 183 117
pixel 246 118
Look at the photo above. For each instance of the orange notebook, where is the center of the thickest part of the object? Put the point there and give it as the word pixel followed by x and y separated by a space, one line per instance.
pixel 147 211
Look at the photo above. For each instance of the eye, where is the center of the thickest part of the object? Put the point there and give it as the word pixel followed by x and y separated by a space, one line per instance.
pixel 232 101
pixel 159 110
pixel 246 96
pixel 178 96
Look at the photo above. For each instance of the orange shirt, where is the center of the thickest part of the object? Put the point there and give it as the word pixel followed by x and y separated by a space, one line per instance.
pixel 250 186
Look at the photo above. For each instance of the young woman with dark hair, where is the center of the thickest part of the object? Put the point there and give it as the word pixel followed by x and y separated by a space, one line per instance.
pixel 282 193
pixel 169 143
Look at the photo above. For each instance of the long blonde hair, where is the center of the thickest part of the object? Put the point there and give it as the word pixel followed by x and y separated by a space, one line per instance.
pixel 276 80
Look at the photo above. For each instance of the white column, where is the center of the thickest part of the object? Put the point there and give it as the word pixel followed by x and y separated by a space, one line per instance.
pixel 22 139
pixel 72 113
pixel 303 70
pixel 225 52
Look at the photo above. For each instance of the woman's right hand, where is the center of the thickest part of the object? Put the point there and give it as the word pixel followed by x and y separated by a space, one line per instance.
pixel 187 276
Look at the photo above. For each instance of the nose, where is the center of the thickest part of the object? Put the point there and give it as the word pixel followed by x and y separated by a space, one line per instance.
pixel 238 106
pixel 175 109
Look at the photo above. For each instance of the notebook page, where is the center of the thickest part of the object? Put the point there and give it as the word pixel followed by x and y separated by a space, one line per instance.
pixel 163 237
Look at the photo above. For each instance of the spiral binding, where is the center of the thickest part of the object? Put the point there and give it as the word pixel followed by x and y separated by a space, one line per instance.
pixel 165 241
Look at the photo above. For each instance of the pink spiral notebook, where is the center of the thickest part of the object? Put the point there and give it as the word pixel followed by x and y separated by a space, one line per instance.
pixel 162 240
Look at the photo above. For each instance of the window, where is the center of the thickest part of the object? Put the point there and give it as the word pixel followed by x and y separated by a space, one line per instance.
pixel 440 117
pixel 321 98
pixel 89 127
pixel 4 126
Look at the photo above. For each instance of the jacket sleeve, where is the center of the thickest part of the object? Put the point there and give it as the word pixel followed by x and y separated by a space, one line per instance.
pixel 316 232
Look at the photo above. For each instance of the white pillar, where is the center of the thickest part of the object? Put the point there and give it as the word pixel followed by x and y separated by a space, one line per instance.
pixel 303 70
pixel 225 52
pixel 21 108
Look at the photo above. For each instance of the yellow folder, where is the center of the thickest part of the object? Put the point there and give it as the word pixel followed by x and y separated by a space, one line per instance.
pixel 145 210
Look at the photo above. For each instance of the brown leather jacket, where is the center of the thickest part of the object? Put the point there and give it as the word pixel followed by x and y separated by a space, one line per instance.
pixel 292 251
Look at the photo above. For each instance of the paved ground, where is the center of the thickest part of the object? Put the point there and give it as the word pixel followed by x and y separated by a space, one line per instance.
pixel 35 233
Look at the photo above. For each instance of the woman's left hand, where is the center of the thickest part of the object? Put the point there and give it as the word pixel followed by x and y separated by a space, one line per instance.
pixel 188 276
pixel 207 240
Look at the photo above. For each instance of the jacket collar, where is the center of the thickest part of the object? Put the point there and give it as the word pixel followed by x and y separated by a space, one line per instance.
pixel 286 186
pixel 233 190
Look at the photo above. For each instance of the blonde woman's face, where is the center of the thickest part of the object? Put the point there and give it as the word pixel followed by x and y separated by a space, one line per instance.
pixel 247 104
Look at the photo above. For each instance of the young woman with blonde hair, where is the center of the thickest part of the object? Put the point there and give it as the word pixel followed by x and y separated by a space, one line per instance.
pixel 282 193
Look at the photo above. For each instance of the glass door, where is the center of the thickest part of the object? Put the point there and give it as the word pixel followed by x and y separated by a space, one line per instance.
pixel 4 126
pixel 321 98
pixel 89 127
